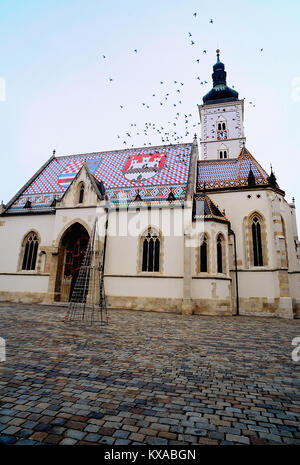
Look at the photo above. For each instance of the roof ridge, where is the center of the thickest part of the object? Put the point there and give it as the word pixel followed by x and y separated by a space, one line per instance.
pixel 152 147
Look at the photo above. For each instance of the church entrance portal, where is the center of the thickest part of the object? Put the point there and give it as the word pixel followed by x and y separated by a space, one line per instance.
pixel 70 256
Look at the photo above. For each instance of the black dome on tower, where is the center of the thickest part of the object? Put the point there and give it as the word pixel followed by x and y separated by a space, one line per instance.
pixel 220 91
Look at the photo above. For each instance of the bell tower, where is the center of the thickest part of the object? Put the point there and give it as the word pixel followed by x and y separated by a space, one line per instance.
pixel 222 118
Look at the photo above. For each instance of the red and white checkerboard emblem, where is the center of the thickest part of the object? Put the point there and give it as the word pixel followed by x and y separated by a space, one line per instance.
pixel 143 166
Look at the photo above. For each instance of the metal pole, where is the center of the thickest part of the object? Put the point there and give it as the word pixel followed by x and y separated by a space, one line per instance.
pixel 236 274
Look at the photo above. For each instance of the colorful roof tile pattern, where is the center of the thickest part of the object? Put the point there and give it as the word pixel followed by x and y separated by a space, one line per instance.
pixel 151 171
pixel 232 172
pixel 205 208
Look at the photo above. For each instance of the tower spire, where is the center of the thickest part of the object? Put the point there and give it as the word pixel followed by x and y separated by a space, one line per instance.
pixel 220 91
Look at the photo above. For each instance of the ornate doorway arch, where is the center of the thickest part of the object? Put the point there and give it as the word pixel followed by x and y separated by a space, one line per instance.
pixel 71 252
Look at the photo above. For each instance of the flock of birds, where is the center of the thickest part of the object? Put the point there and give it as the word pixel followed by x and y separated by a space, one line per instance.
pixel 180 126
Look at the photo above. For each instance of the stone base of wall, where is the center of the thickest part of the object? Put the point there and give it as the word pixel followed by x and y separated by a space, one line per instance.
pixel 296 307
pixel 150 304
pixel 282 307
pixel 22 297
pixel 217 307
pixel 264 306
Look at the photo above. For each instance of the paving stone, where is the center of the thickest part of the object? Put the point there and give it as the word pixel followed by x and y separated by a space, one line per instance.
pixel 237 438
pixel 144 393
pixel 92 437
pixel 6 439
pixel 74 434
pixel 68 442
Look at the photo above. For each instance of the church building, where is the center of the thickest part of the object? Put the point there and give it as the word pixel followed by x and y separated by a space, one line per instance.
pixel 188 231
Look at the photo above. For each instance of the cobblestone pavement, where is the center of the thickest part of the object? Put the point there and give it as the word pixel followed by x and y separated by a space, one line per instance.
pixel 147 378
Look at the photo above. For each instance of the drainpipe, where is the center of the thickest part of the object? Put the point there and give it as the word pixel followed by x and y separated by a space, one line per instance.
pixel 230 231
pixel 105 240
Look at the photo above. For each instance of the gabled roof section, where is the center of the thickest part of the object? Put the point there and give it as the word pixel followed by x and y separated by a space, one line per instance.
pixel 231 172
pixel 205 208
pixel 98 186
pixel 154 171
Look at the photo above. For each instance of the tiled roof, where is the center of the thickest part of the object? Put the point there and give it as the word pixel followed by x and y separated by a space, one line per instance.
pixel 205 208
pixel 232 172
pixel 153 171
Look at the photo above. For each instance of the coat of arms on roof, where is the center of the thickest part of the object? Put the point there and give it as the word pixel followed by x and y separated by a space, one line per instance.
pixel 141 167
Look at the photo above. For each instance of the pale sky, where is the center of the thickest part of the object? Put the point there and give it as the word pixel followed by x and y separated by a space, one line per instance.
pixel 55 91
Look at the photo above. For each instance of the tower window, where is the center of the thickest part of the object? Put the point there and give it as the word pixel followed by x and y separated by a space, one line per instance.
pixel 151 251
pixel 221 153
pixel 257 244
pixel 225 154
pixel 223 126
pixel 219 126
pixel 30 252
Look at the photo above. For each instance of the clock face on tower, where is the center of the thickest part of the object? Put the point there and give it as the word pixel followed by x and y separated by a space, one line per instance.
pixel 222 135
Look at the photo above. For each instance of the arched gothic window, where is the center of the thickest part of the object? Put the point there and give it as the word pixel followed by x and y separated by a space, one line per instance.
pixel 81 193
pixel 203 254
pixel 256 241
pixel 151 251
pixel 283 246
pixel 219 254
pixel 30 252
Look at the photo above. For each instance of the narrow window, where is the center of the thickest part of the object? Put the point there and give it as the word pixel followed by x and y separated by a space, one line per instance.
pixel 219 255
pixel 225 153
pixel 151 250
pixel 203 255
pixel 81 193
pixel 221 154
pixel 257 244
pixel 219 126
pixel 283 247
pixel 30 252
pixel 223 126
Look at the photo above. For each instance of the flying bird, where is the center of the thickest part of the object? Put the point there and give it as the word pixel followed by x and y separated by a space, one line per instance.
pixel 211 21
pixel 110 79
pixel 135 50
pixel 204 51
pixel 261 49
pixel 190 35
pixel 192 42
pixel 195 14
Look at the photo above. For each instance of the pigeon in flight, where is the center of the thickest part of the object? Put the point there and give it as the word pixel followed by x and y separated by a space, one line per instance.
pixel 195 14
pixel 204 51
pixel 211 21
